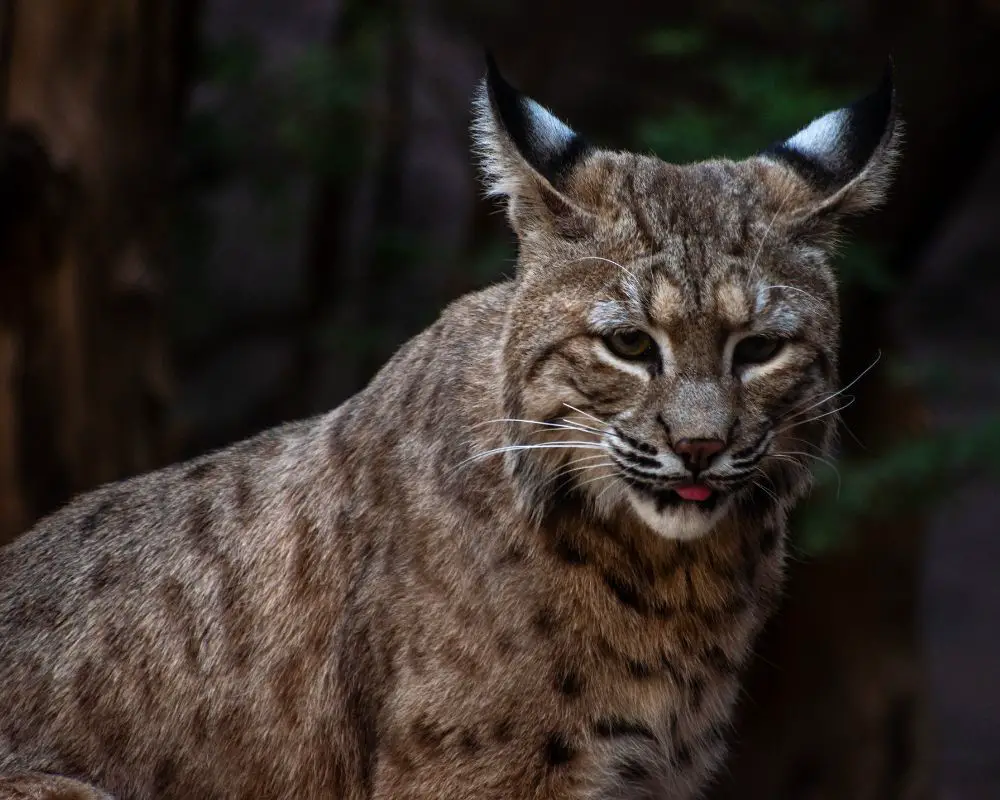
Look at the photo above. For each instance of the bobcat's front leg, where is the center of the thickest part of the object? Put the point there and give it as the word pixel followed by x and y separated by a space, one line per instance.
pixel 42 786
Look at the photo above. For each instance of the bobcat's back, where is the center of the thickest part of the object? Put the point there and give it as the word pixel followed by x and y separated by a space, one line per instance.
pixel 211 628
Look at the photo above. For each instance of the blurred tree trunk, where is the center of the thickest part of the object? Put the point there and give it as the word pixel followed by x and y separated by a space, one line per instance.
pixel 92 94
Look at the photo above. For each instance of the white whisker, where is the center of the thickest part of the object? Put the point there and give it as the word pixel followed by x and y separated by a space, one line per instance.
pixel 765 490
pixel 803 411
pixel 608 260
pixel 549 426
pixel 591 416
pixel 813 419
pixel 860 375
pixel 793 289
pixel 544 446
pixel 820 459
pixel 562 472
pixel 593 480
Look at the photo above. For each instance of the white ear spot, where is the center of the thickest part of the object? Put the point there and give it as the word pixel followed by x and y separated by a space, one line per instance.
pixel 549 134
pixel 821 138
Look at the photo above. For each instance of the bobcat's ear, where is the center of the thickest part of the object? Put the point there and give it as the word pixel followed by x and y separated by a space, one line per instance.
pixel 846 157
pixel 526 152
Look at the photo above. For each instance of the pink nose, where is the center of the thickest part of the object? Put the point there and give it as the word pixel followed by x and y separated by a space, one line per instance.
pixel 698 453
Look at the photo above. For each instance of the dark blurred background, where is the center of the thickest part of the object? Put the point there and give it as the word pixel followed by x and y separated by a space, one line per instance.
pixel 216 215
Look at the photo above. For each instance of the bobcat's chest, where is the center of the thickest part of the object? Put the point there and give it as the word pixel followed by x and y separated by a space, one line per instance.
pixel 665 730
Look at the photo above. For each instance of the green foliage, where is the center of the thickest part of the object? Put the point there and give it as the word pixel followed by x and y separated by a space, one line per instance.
pixel 907 478
pixel 675 42
pixel 263 124
pixel 756 100
pixel 862 263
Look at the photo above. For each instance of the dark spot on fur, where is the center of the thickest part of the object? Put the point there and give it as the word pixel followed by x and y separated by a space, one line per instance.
pixel 290 678
pixel 365 676
pixel 426 734
pixel 200 725
pixel 36 612
pixel 183 617
pixel 688 589
pixel 511 556
pixel 632 770
pixel 502 730
pixel 717 658
pixel 103 575
pixel 238 627
pixel 164 776
pixel 682 755
pixel 468 741
pixel 456 654
pixel 638 669
pixel 198 527
pixel 306 579
pixel 397 751
pixel 117 641
pixel 568 682
pixel 696 691
pixel 198 472
pixel 557 750
pixel 505 644
pixel 93 520
pixel 568 551
pixel 86 687
pixel 572 227
pixel 544 622
pixel 610 727
pixel 662 421
pixel 627 594
pixel 243 494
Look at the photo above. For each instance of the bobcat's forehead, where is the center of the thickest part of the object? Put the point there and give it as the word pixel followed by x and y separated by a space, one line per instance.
pixel 674 297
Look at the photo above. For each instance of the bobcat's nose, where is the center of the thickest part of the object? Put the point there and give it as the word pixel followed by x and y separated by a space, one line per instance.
pixel 697 454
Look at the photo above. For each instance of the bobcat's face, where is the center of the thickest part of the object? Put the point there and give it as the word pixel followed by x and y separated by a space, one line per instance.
pixel 672 343
pixel 691 360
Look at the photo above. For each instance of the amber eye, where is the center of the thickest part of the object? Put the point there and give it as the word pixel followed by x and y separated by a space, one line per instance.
pixel 630 344
pixel 756 350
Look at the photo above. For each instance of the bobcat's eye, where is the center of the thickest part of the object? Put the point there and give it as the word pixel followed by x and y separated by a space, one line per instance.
pixel 630 344
pixel 756 350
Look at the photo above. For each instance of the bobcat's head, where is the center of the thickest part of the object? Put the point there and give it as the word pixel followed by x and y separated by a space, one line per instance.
pixel 671 349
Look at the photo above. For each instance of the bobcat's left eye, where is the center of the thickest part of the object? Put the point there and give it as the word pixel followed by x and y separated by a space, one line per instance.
pixel 630 344
pixel 756 350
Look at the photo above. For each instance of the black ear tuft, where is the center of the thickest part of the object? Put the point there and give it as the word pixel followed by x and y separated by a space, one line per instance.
pixel 549 146
pixel 836 148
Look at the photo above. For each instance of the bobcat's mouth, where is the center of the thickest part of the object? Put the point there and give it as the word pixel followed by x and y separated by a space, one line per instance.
pixel 685 495
pixel 694 492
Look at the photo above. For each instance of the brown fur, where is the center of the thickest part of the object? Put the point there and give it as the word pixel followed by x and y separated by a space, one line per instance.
pixel 374 604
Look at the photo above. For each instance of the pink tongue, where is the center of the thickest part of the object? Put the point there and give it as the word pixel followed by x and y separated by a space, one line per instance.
pixel 693 492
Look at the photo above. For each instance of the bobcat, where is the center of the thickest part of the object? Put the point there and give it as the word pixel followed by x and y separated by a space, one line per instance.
pixel 529 560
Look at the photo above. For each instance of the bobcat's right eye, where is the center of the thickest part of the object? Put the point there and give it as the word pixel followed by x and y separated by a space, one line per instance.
pixel 630 344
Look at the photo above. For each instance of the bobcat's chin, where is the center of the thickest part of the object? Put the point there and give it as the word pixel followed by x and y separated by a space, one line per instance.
pixel 673 517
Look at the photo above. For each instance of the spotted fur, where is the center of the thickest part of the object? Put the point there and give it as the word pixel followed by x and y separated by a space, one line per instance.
pixel 475 578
